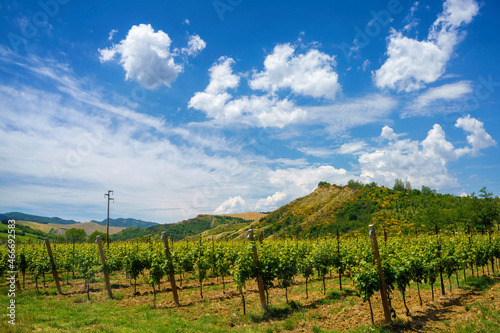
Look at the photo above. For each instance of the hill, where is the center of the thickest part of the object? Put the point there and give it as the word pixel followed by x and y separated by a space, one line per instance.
pixel 217 226
pixel 353 207
pixel 24 233
pixel 59 229
pixel 35 218
pixel 309 215
pixel 121 222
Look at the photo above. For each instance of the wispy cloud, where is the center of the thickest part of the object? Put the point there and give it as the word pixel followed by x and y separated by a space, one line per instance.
pixel 439 99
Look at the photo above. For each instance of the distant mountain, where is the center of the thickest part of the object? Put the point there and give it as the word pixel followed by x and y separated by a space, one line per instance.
pixel 120 222
pixel 126 223
pixel 35 218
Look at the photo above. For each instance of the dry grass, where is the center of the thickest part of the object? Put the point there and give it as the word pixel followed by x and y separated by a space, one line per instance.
pixel 59 229
pixel 250 216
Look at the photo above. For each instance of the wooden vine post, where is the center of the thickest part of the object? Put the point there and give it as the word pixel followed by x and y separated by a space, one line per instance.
pixel 53 265
pixel 171 275
pixel 338 253
pixel 492 258
pixel 260 284
pixel 105 269
pixel 440 266
pixel 383 291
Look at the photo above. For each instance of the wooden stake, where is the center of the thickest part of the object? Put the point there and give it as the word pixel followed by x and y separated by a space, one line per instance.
pixel 338 253
pixel 104 267
pixel 260 284
pixel 53 264
pixel 170 268
pixel 383 291
pixel 440 267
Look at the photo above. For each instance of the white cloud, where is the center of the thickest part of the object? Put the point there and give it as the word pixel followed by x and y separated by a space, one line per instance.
pixel 231 206
pixel 447 98
pixel 365 65
pixel 478 139
pixel 145 56
pixel 355 147
pixel 195 46
pixel 309 74
pixel 413 64
pixel 425 162
pixel 316 152
pixel 445 92
pixel 301 181
pixel 388 134
pixel 350 113
pixel 222 76
pixel 112 33
pixel 411 21
pixel 271 202
pixel 261 111
pixel 76 145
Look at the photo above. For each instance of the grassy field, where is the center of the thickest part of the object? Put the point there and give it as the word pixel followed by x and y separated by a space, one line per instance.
pixel 3 235
pixel 472 308
pixel 59 229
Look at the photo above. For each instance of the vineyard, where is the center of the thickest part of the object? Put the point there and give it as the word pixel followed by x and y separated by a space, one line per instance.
pixel 327 266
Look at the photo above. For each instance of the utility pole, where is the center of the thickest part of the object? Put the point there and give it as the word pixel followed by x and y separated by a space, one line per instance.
pixel 107 223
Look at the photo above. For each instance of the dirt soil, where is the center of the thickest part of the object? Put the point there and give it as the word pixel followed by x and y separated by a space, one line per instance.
pixel 340 311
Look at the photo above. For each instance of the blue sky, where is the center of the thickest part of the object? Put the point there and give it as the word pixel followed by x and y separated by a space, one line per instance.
pixel 199 107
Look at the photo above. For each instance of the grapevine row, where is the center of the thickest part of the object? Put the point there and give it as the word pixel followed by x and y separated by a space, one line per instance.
pixel 404 260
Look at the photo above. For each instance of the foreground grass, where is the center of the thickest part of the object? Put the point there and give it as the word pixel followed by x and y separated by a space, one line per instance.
pixel 47 311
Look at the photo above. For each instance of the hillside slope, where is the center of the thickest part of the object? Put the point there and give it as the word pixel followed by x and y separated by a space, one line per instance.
pixel 59 229
pixel 35 218
pixel 217 226
pixel 307 215
pixel 125 223
pixel 352 208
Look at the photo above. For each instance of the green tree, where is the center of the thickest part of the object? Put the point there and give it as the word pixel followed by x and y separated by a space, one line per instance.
pixel 75 235
pixel 94 235
pixel 486 210
pixel 427 190
pixel 408 185
pixel 354 184
pixel 399 185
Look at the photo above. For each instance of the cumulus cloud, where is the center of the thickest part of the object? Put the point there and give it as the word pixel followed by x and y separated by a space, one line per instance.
pixel 231 205
pixel 271 202
pixel 222 76
pixel 477 139
pixel 388 134
pixel 195 46
pixel 262 111
pixel 146 57
pixel 303 180
pixel 413 64
pixel 425 162
pixel 309 74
